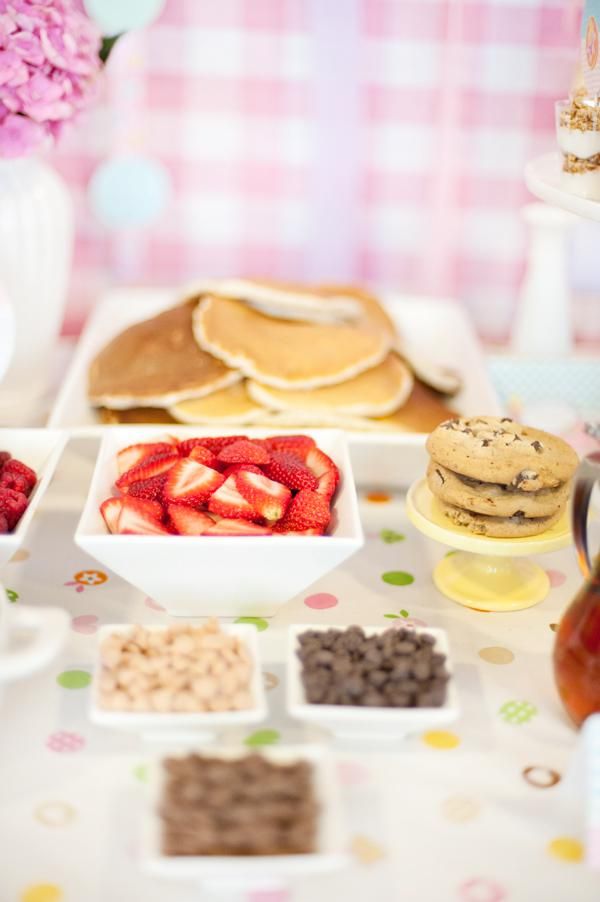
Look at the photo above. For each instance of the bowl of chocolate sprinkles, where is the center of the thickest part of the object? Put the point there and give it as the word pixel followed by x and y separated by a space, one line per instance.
pixel 236 818
pixel 370 682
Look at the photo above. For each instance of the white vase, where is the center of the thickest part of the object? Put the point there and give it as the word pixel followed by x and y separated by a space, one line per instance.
pixel 36 243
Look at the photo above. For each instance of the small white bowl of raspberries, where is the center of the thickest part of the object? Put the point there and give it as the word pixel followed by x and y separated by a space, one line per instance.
pixel 224 524
pixel 28 458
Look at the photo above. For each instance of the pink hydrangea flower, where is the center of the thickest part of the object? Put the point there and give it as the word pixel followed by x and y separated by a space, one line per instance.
pixel 49 65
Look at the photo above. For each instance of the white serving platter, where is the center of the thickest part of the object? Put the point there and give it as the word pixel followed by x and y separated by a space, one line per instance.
pixel 201 725
pixel 353 722
pixel 439 329
pixel 245 872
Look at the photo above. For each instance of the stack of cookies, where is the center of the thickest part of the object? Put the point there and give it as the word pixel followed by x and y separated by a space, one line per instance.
pixel 240 351
pixel 499 478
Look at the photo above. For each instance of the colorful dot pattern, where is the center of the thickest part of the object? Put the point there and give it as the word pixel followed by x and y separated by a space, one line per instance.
pixel 397 578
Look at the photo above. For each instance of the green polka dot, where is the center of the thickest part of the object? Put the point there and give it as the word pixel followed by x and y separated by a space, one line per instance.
pixel 262 737
pixel 140 772
pixel 398 578
pixel 259 622
pixel 450 553
pixel 389 536
pixel 392 616
pixel 74 679
pixel 12 595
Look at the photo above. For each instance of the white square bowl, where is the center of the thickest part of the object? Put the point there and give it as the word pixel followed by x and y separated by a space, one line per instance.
pixel 200 726
pixel 354 722
pixel 40 449
pixel 224 576
pixel 248 872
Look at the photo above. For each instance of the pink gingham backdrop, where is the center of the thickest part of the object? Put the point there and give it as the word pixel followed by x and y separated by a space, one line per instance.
pixel 373 141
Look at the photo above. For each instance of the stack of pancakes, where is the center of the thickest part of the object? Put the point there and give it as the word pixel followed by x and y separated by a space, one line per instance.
pixel 498 478
pixel 238 351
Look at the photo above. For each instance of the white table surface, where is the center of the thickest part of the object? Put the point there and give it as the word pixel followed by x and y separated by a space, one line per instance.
pixel 427 823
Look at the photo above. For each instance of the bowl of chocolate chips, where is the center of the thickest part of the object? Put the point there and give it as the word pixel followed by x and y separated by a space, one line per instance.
pixel 370 682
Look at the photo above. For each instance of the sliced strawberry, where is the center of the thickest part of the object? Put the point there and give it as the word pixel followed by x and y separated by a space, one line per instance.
pixel 300 445
pixel 244 452
pixel 227 502
pixel 213 444
pixel 111 510
pixel 149 467
pixel 141 517
pixel 190 482
pixel 21 474
pixel 131 456
pixel 227 527
pixel 236 468
pixel 268 498
pixel 289 470
pixel 296 532
pixel 307 510
pixel 204 456
pixel 328 483
pixel 187 521
pixel 152 488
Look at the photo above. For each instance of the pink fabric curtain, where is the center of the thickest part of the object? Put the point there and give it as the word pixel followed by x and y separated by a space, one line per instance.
pixel 377 141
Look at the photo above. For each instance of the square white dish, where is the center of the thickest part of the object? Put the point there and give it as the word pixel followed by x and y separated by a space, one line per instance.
pixel 260 871
pixel 40 449
pixel 439 328
pixel 353 722
pixel 164 726
pixel 224 576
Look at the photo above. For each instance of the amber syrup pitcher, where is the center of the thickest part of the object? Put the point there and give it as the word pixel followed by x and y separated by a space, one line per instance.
pixel 577 646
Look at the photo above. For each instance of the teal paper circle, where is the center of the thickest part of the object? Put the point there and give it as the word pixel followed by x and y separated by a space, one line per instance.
pixel 129 191
pixel 116 16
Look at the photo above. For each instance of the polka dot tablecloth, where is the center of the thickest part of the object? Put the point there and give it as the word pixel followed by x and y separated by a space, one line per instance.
pixel 477 812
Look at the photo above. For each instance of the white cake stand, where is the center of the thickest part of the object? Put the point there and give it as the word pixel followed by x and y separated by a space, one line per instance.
pixel 485 573
pixel 543 178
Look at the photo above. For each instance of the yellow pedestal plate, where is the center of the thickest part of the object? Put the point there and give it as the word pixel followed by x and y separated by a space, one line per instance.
pixel 485 573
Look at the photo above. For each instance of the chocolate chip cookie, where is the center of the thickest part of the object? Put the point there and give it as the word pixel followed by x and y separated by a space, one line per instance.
pixel 493 499
pixel 499 527
pixel 498 450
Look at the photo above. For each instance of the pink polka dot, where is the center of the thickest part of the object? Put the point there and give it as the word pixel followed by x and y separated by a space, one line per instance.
pixel 480 889
pixel 556 577
pixel 321 601
pixel 352 773
pixel 85 623
pixel 153 605
pixel 63 741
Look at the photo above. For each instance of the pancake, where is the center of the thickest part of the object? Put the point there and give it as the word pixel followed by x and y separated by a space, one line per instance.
pixel 156 363
pixel 135 415
pixel 376 392
pixel 283 300
pixel 230 405
pixel 422 412
pixel 372 309
pixel 441 378
pixel 284 353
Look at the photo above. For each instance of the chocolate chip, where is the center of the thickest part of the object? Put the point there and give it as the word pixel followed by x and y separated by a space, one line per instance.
pixel 485 442
pixel 440 475
pixel 506 420
pixel 538 446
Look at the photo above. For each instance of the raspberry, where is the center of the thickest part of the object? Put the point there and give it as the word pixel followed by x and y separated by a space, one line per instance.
pixel 15 482
pixel 3 524
pixel 17 468
pixel 4 458
pixel 12 506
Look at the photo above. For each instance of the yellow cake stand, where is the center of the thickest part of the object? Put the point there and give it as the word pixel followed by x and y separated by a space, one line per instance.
pixel 486 573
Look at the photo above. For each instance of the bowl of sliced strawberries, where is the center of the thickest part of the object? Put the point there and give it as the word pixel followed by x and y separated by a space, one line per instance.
pixel 227 525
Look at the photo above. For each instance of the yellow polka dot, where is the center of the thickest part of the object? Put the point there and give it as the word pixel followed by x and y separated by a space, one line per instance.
pixel 460 808
pixel 496 654
pixel 18 556
pixel 441 739
pixel 566 848
pixel 42 892
pixel 366 850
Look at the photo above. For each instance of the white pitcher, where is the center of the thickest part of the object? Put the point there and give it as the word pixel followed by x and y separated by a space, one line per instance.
pixel 29 638
pixel 7 333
